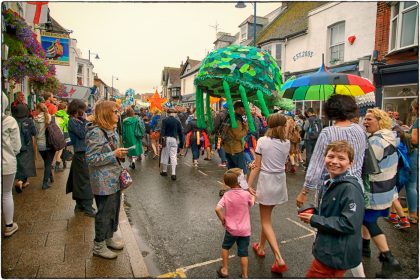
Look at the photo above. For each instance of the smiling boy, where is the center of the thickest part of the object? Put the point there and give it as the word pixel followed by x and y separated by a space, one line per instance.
pixel 338 218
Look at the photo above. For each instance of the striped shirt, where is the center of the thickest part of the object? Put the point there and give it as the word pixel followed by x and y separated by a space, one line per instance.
pixel 382 189
pixel 354 134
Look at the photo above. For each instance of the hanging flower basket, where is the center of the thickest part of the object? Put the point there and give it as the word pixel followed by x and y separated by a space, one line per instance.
pixel 15 25
pixel 18 67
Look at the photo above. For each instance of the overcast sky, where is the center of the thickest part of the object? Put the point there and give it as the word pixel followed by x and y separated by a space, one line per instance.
pixel 136 40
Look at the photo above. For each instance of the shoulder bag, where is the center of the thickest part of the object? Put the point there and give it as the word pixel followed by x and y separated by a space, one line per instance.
pixel 124 178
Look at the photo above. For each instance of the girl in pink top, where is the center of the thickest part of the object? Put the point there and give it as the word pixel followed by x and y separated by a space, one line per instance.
pixel 236 219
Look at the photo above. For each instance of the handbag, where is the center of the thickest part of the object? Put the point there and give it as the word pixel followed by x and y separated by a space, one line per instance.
pixel 67 155
pixel 370 163
pixel 124 178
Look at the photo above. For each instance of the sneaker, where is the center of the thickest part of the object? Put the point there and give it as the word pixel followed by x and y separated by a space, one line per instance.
pixel 222 164
pixel 163 173
pixel 402 225
pixel 173 177
pixel 8 231
pixel 392 220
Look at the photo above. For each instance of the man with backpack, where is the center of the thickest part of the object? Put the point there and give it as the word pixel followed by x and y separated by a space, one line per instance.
pixel 312 128
pixel 232 139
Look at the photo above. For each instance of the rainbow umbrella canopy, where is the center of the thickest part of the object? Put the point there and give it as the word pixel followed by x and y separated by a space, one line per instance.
pixel 322 84
pixel 237 73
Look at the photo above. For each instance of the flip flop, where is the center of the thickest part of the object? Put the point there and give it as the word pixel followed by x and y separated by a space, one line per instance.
pixel 256 247
pixel 221 275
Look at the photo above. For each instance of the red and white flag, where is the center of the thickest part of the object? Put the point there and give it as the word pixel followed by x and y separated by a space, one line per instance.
pixel 36 12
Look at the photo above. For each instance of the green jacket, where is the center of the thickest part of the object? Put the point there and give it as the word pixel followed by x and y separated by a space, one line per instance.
pixel 62 120
pixel 132 133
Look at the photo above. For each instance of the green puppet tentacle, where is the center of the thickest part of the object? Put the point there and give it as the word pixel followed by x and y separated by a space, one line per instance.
pixel 209 118
pixel 230 105
pixel 263 106
pixel 199 108
pixel 246 106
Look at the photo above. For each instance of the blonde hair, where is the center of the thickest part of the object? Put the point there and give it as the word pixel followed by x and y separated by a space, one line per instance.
pixel 231 177
pixel 41 107
pixel 102 115
pixel 384 120
pixel 276 127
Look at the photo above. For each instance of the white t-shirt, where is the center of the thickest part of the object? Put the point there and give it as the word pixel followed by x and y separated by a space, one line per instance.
pixel 274 154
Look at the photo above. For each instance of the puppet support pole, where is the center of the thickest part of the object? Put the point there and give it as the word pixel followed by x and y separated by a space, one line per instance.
pixel 199 108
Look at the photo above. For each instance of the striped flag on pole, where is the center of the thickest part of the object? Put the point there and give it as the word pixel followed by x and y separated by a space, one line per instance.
pixel 36 12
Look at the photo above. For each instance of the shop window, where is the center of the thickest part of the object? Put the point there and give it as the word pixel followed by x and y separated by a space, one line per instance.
pixel 278 54
pixel 404 25
pixel 336 42
pixel 398 98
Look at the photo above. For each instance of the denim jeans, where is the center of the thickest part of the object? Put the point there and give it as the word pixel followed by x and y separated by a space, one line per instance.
pixel 412 186
pixel 47 157
pixel 195 149
pixel 222 154
pixel 236 160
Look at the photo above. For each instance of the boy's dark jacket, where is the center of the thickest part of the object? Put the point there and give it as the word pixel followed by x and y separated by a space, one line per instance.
pixel 339 218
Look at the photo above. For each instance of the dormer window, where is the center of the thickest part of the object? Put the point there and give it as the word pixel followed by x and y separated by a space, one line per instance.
pixel 244 35
pixel 404 25
pixel 188 69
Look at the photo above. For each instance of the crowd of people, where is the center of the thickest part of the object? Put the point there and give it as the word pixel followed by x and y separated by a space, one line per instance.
pixel 104 136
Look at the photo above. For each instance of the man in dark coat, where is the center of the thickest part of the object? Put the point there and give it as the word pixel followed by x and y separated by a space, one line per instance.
pixel 170 130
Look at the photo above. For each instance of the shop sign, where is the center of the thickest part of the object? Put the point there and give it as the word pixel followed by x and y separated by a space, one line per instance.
pixel 303 54
pixel 56 47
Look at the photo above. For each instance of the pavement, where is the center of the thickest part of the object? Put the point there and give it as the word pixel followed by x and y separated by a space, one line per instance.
pixel 55 242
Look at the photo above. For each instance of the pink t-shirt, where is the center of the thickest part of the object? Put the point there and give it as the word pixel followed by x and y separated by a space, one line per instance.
pixel 236 204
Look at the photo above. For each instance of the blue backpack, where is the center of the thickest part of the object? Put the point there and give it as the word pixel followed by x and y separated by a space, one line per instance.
pixel 403 164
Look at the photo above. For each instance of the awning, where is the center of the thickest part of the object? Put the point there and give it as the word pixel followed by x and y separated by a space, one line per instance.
pixel 76 92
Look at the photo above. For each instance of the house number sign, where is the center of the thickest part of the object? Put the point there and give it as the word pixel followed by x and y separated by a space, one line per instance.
pixel 303 54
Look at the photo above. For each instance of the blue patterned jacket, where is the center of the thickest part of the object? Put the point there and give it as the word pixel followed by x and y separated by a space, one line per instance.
pixel 104 169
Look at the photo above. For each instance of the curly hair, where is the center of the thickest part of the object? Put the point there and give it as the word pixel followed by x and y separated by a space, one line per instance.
pixel 341 107
pixel 384 120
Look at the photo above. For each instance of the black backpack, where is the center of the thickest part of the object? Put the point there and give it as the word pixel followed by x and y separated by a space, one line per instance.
pixel 54 136
pixel 314 128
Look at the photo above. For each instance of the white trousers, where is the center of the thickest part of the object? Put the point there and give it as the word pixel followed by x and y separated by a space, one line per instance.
pixel 169 152
pixel 7 197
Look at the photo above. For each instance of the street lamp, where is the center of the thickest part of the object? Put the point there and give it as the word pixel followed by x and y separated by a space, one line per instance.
pixel 112 87
pixel 96 57
pixel 241 5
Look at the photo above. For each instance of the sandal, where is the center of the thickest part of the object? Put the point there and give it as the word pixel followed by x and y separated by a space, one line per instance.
pixel 413 220
pixel 25 185
pixel 255 246
pixel 221 274
pixel 18 186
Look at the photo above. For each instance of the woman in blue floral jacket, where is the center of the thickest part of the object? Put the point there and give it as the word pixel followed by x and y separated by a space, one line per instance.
pixel 101 155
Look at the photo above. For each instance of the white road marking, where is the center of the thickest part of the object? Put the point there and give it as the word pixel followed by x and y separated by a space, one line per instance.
pixel 187 164
pixel 203 173
pixel 220 183
pixel 302 226
pixel 297 238
pixel 186 268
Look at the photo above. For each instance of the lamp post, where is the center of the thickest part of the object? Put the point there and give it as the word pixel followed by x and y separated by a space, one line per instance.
pixel 240 5
pixel 112 88
pixel 96 55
